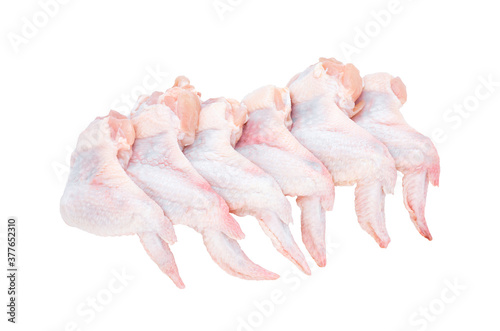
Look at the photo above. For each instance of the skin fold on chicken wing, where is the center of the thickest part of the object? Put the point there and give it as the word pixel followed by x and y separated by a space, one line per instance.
pixel 164 123
pixel 415 155
pixel 323 100
pixel 101 199
pixel 246 188
pixel 267 142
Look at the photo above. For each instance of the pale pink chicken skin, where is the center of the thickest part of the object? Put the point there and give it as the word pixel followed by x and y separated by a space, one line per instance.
pixel 246 188
pixel 415 155
pixel 164 124
pixel 101 199
pixel 322 103
pixel 267 142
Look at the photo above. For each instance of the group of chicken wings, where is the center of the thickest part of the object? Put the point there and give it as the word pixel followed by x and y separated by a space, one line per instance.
pixel 178 160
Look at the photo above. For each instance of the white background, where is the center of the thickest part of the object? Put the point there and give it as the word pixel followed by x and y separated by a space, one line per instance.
pixel 78 65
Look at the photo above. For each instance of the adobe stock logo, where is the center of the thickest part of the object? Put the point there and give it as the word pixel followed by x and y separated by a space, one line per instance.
pixel 290 282
pixel 454 117
pixel 364 36
pixel 30 27
pixel 97 303
pixel 428 313
pixel 151 81
pixel 224 6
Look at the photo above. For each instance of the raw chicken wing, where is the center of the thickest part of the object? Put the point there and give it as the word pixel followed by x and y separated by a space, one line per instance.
pixel 322 103
pixel 100 198
pixel 246 188
pixel 267 142
pixel 164 124
pixel 415 155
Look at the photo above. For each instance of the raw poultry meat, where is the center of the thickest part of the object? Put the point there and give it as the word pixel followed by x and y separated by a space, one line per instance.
pixel 178 161
pixel 267 142
pixel 246 188
pixel 323 100
pixel 100 198
pixel 415 155
pixel 164 124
